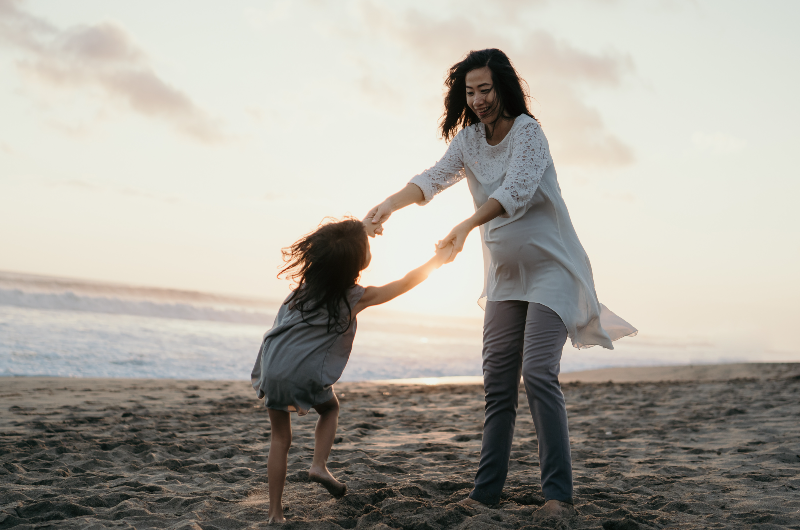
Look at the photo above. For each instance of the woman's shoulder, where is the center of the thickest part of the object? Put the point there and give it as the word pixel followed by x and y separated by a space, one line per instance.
pixel 527 131
pixel 524 124
pixel 469 133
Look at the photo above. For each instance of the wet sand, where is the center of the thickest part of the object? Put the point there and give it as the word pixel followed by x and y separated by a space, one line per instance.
pixel 681 447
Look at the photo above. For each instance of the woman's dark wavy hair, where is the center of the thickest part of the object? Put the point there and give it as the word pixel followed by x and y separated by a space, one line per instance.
pixel 325 264
pixel 510 88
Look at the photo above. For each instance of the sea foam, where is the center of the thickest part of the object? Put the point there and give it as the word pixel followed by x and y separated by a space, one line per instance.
pixel 71 301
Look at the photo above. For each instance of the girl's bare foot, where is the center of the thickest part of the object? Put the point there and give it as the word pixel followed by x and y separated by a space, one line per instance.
pixel 277 519
pixel 324 477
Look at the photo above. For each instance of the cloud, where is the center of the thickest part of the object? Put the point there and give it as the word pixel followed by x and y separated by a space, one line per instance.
pixel 547 57
pixel 576 132
pixel 556 71
pixel 22 29
pixel 101 56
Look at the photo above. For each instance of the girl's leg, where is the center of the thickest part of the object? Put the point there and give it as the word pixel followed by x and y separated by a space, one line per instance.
pixel 279 443
pixel 545 335
pixel 503 334
pixel 323 442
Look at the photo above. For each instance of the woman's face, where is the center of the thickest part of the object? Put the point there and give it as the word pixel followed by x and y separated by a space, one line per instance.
pixel 481 96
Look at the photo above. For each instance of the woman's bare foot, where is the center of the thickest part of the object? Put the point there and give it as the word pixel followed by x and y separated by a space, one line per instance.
pixel 277 519
pixel 324 477
pixel 556 509
pixel 471 503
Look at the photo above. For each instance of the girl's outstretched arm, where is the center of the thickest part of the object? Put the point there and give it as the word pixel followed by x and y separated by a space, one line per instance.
pixel 380 295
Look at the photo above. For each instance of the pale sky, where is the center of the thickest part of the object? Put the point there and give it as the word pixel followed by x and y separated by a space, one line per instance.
pixel 182 144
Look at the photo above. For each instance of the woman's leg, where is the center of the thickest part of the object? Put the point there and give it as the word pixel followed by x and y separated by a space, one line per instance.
pixel 323 442
pixel 545 335
pixel 279 443
pixel 503 334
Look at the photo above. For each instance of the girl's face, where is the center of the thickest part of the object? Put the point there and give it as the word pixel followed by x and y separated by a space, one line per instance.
pixel 481 96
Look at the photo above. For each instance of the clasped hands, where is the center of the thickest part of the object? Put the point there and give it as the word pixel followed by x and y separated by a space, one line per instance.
pixel 374 220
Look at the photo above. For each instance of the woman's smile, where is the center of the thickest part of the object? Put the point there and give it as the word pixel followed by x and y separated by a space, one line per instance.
pixel 481 96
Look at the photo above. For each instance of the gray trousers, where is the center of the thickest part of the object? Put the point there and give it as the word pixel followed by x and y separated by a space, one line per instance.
pixel 521 338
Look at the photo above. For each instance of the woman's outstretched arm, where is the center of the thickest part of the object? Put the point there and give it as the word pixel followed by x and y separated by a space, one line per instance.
pixel 446 172
pixel 411 194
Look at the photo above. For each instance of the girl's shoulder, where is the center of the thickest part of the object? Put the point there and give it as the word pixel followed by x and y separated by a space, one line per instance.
pixel 318 315
pixel 355 293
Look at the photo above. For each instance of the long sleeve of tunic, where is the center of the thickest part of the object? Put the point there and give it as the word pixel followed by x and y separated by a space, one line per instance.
pixel 532 252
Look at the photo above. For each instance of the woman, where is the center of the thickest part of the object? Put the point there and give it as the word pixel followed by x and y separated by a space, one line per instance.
pixel 538 286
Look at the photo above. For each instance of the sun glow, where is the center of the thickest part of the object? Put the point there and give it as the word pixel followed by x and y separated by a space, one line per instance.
pixel 409 240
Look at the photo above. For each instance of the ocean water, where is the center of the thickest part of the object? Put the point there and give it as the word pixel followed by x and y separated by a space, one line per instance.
pixel 70 328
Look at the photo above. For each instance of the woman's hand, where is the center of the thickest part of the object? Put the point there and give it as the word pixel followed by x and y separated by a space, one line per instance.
pixel 456 237
pixel 371 227
pixel 376 217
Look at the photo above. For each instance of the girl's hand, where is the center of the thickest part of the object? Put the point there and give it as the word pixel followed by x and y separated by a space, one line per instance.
pixel 443 253
pixel 377 216
pixel 371 227
pixel 456 237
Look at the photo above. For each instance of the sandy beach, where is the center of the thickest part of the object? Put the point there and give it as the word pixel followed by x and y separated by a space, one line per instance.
pixel 713 446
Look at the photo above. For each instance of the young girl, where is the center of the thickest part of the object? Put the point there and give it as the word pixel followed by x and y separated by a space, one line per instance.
pixel 306 350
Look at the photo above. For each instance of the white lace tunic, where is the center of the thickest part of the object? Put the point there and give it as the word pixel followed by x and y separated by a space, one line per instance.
pixel 532 252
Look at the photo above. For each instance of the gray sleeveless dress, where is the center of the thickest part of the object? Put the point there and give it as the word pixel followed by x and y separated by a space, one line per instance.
pixel 300 361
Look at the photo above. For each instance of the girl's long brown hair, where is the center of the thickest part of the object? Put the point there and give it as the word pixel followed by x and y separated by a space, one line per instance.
pixel 325 264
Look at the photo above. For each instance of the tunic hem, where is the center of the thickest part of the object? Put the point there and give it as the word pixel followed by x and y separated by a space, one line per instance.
pixel 605 314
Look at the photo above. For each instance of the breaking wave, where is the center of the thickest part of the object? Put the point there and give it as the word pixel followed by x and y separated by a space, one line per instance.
pixel 70 301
